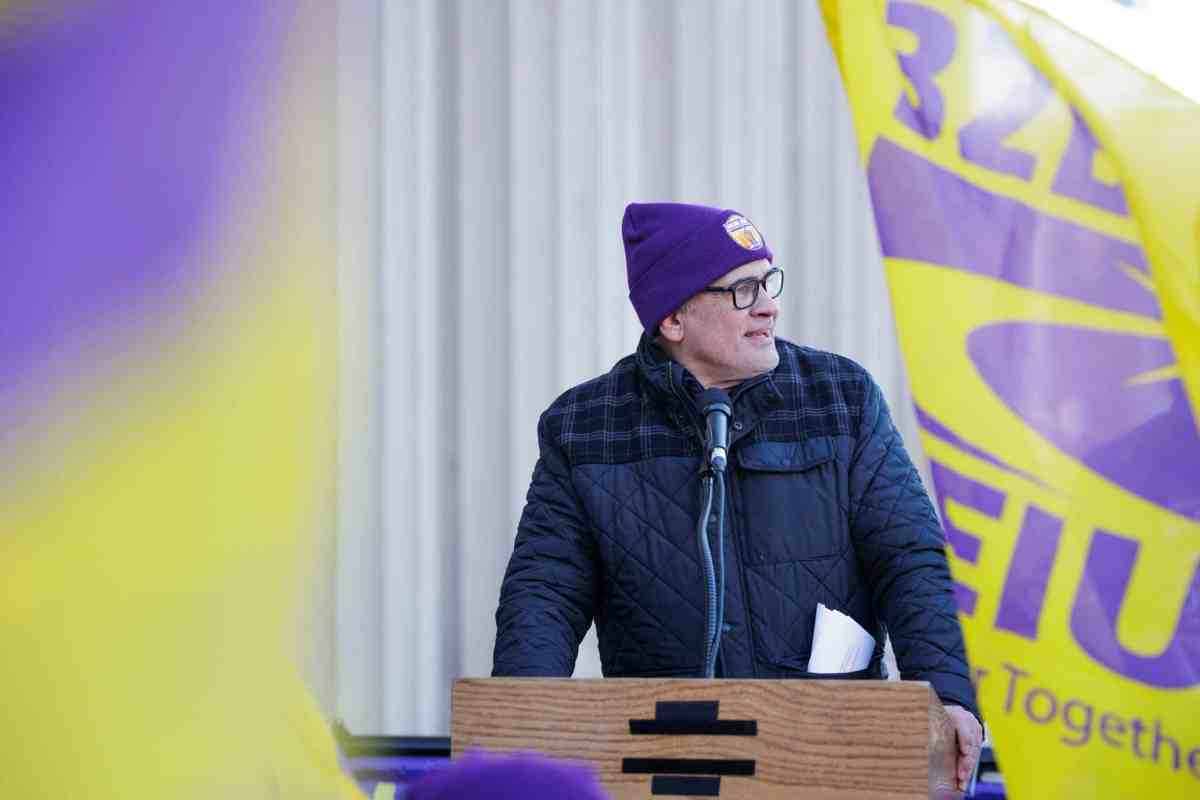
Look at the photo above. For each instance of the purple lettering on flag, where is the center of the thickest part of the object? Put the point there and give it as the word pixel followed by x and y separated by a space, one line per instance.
pixel 1075 176
pixel 926 213
pixel 936 42
pixel 982 498
pixel 1029 573
pixel 934 427
pixel 965 598
pixel 1098 601
pixel 1072 385
pixel 981 141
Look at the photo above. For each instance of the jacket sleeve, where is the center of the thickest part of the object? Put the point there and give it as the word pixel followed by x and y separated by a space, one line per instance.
pixel 549 589
pixel 900 547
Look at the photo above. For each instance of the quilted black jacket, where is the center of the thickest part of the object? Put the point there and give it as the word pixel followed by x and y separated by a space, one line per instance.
pixel 823 505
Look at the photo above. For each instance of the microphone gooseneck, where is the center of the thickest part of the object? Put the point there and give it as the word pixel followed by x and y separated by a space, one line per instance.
pixel 719 628
pixel 710 582
pixel 717 408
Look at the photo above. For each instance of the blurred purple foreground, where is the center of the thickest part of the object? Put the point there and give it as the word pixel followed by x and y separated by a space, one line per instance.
pixel 420 767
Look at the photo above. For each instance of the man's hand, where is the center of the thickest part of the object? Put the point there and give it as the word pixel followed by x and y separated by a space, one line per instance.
pixel 970 741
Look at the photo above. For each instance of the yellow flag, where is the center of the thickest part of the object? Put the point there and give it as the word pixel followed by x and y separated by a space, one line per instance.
pixel 167 378
pixel 1037 202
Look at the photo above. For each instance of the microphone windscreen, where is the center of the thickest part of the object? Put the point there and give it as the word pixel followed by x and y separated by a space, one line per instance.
pixel 713 399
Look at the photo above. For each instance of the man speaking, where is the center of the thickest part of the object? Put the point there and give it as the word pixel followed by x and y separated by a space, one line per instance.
pixel 821 503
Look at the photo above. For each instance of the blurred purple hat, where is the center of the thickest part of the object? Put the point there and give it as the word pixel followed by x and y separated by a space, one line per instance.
pixel 673 250
pixel 477 776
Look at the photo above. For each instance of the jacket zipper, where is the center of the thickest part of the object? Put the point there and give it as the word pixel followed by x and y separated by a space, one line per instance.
pixel 741 554
pixel 732 489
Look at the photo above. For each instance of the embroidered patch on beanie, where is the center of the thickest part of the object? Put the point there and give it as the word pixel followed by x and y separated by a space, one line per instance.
pixel 742 231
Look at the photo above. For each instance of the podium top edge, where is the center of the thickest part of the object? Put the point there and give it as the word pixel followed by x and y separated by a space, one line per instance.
pixel 871 685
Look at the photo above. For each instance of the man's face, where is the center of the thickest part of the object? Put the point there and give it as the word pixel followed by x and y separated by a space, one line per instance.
pixel 722 345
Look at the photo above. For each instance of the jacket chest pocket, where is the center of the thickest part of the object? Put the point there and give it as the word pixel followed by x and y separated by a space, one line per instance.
pixel 790 501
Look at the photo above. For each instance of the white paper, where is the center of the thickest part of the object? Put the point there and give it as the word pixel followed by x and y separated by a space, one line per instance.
pixel 839 643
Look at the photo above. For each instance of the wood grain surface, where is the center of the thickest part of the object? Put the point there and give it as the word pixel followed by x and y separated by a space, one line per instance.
pixel 816 738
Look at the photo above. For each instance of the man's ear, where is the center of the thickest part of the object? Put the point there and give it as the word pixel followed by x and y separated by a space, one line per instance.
pixel 671 328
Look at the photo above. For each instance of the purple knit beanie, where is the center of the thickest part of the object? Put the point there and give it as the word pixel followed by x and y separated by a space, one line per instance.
pixel 673 250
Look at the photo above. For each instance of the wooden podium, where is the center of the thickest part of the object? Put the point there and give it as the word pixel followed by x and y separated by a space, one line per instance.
pixel 739 739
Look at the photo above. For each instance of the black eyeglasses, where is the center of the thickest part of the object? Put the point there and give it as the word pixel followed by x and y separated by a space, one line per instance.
pixel 745 291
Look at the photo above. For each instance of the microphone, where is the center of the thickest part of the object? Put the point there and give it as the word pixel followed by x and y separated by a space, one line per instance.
pixel 717 408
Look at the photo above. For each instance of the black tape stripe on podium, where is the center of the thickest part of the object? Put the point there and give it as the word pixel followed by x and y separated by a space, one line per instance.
pixel 688 766
pixel 686 785
pixel 687 710
pixel 691 718
pixel 683 727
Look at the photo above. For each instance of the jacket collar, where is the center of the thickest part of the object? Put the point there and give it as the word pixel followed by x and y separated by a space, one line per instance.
pixel 666 377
